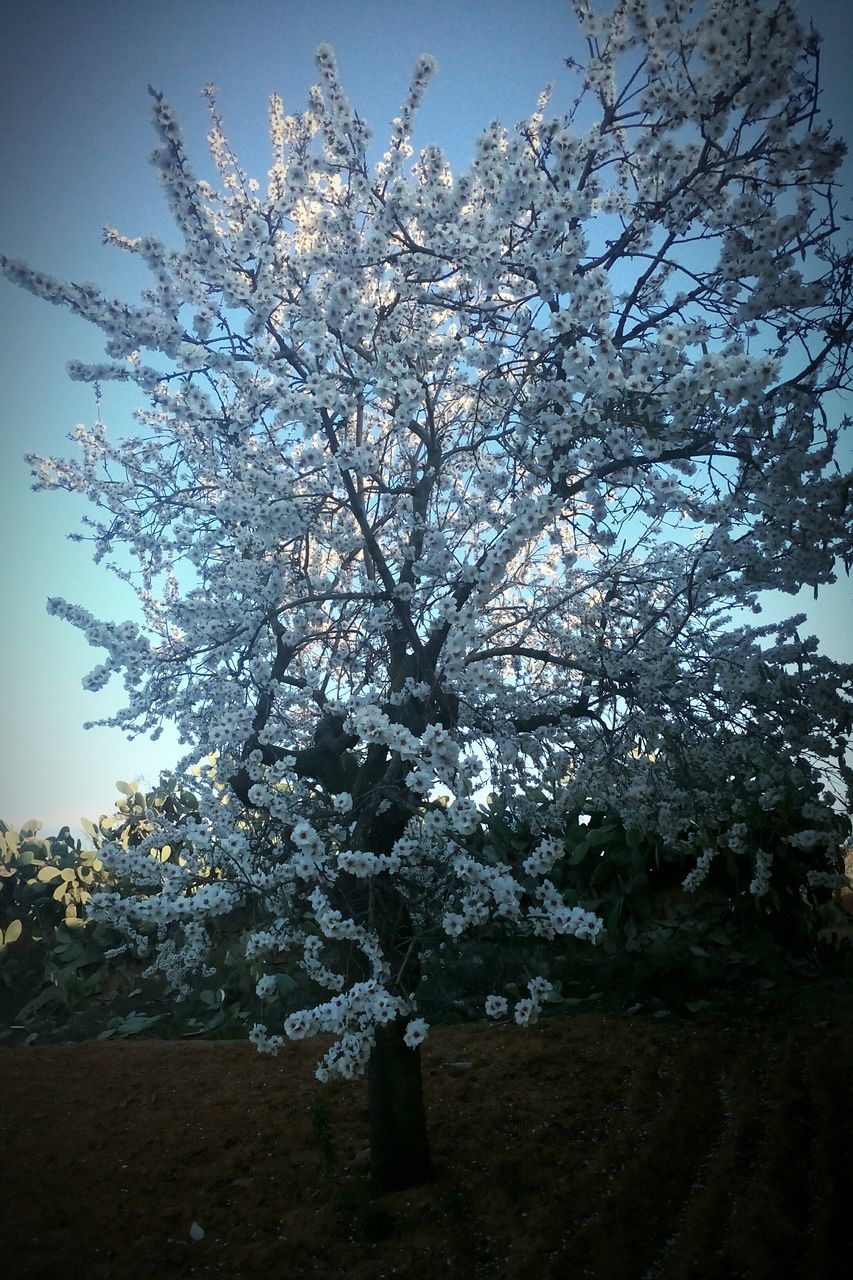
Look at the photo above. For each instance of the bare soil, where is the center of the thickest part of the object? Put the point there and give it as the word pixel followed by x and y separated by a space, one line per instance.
pixel 594 1145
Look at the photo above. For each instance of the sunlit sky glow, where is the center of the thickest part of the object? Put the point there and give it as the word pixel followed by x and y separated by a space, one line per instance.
pixel 73 145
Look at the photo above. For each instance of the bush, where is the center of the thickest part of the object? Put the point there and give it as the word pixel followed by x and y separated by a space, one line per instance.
pixel 52 956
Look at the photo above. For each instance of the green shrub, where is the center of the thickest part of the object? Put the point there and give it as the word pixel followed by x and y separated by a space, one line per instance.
pixel 51 956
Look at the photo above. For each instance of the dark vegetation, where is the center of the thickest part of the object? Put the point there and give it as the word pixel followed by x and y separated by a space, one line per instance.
pixel 66 976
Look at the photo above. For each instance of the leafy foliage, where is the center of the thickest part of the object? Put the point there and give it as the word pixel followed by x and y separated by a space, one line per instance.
pixel 51 950
pixel 627 874
pixel 55 959
pixel 661 945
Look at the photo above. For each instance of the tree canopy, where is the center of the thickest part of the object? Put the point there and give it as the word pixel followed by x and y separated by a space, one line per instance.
pixel 457 483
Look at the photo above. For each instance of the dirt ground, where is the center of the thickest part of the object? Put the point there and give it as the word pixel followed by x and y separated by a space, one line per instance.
pixel 595 1145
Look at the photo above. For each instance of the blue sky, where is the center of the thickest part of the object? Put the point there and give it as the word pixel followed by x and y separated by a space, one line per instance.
pixel 73 144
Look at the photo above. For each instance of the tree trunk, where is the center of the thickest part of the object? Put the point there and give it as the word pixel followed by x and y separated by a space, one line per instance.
pixel 399 1150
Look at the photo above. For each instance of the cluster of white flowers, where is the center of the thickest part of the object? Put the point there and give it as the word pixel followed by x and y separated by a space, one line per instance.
pixel 356 862
pixel 544 857
pixel 760 883
pixel 525 1010
pixel 492 890
pixel 699 872
pixel 260 1037
pixel 553 918
pixel 352 1017
pixel 435 752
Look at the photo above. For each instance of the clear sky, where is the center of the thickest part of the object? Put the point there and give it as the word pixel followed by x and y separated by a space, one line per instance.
pixel 74 136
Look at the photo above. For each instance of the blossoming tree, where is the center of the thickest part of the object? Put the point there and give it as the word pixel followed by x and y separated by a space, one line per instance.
pixel 450 482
